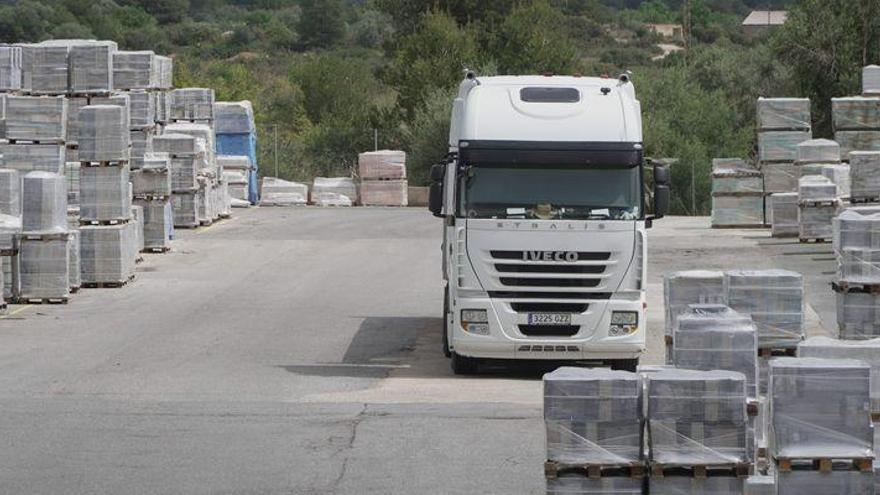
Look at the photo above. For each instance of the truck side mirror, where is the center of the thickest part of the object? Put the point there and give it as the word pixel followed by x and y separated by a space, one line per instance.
pixel 661 191
pixel 435 190
pixel 438 172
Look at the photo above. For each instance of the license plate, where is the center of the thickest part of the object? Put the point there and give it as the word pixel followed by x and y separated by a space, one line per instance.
pixel 549 318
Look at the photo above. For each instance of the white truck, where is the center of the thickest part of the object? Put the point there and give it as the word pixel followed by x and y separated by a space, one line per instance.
pixel 544 221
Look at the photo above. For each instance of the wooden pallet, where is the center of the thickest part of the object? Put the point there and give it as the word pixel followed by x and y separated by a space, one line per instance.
pixel 152 197
pixel 117 221
pixel 8 252
pixel 74 290
pixel 107 285
pixel 824 464
pixel 42 300
pixel 190 121
pixel 847 287
pixel 768 352
pixel 552 469
pixel 225 216
pixel 814 203
pixel 54 142
pixel 739 470
pixel 107 163
pixel 817 240
pixel 54 236
pixel 156 250
pixel 864 200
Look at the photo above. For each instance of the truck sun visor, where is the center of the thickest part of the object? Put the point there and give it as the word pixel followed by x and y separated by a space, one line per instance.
pixel 482 153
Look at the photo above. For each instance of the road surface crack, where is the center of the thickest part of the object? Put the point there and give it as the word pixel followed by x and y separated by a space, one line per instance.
pixel 352 438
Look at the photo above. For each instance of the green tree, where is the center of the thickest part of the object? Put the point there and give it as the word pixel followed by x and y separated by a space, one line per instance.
pixel 530 41
pixel 321 24
pixel 426 138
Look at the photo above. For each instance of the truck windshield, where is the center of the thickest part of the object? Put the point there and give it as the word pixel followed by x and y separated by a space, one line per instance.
pixel 551 193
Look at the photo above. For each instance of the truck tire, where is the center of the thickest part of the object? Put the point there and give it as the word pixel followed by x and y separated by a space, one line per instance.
pixel 462 365
pixel 625 364
pixel 446 351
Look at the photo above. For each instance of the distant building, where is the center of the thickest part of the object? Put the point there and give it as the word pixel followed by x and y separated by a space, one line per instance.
pixel 759 21
pixel 672 31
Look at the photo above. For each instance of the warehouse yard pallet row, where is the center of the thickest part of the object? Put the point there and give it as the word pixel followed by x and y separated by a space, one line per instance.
pixel 94 146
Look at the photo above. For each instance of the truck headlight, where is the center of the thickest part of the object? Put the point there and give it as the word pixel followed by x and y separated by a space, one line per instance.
pixel 623 323
pixel 475 321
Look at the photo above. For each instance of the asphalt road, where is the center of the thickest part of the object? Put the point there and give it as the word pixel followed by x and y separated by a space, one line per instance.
pixel 295 351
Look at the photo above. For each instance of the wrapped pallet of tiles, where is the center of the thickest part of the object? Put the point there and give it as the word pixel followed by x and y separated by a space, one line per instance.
pixel 236 170
pixel 10 228
pixel 334 191
pixel 839 174
pixel 91 67
pixel 737 195
pixel 74 105
pixel 106 254
pixel 43 264
pixel 279 192
pixel 593 416
pixel 857 245
pixel 783 214
pixel 384 192
pixel 143 109
pixel 117 99
pixel 867 351
pixel 696 418
pixel 104 194
pixel 103 134
pixel 137 221
pixel 163 73
pixel 816 482
pixel 185 208
pixel 780 146
pixel 775 301
pixel 236 135
pixel 44 68
pixel 10 192
pixel 36 118
pixel 158 223
pixel 855 113
pixel 382 164
pixel 233 117
pixel 780 114
pixel 189 104
pixel 681 289
pixel 871 80
pixel 820 408
pixel 33 157
pixel 187 158
pixel 10 68
pixel 141 145
pixel 817 206
pixel 134 70
pixel 153 179
pixel 864 176
pixel 817 151
pixel 780 177
pixel 44 205
pixel 574 484
pixel 163 106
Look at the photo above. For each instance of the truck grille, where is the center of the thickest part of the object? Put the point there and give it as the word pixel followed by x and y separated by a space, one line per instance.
pixel 563 271
pixel 504 267
pixel 550 282
pixel 582 255
pixel 549 330
pixel 548 307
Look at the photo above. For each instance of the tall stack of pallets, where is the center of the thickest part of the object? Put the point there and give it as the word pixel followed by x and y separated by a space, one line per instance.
pixel 737 194
pixel 782 124
pixel 236 174
pixel 383 178
pixel 236 135
pixel 187 156
pixel 856 122
pixel 151 189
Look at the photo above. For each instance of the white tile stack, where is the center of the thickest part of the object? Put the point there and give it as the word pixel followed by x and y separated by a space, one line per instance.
pixel 775 301
pixel 682 289
pixel 817 205
pixel 279 192
pixel 737 194
pixel 36 127
pixel 151 188
pixel 209 191
pixel 856 123
pixel 383 178
pixel 10 68
pixel 782 124
pixel 188 156
pixel 90 66
pixel 236 173
pixel 334 191
pixel 44 68
pixel 41 270
pixel 192 105
pixel 856 243
pixel 10 227
pixel 783 214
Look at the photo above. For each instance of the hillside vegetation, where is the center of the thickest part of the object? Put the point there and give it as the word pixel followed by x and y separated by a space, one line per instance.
pixel 327 77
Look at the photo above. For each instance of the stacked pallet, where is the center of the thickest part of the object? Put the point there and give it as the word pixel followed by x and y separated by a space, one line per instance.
pixel 681 290
pixel 856 123
pixel 334 191
pixel 783 214
pixel 10 227
pixel 278 192
pixel 857 247
pixel 737 194
pixel 593 421
pixel 383 178
pixel 151 189
pixel 41 268
pixel 822 157
pixel 236 174
pixel 188 156
pixel 210 196
pixel 782 124
pixel 817 205
pixel 36 128
pixel 236 136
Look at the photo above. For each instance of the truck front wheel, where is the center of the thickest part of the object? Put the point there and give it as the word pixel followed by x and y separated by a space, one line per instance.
pixel 625 364
pixel 462 365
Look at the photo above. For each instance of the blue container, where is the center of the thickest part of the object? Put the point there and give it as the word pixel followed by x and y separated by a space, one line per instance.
pixel 242 145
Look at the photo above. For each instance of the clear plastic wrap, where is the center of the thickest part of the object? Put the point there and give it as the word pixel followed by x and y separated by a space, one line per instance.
pixel 858 316
pixel 32 157
pixel 10 228
pixel 185 208
pixel 593 416
pixel 867 351
pixel 154 177
pixel 234 162
pixel 783 113
pixel 141 144
pixel 44 205
pixel 715 337
pixel 36 118
pixel 44 68
pixel 143 109
pixel 202 132
pixel 107 253
pixel 857 141
pixel 864 174
pixel 71 175
pixel 685 485
pixel 775 301
pixel 158 222
pixel 830 483
pixel 728 211
pixel 105 193
pixel 10 192
pixel 184 172
pixel 780 146
pixel 839 175
pixel 178 144
pixel 238 196
pixel 814 221
pixel 760 485
pixel 820 408
pixel 75 269
pixel 233 117
pixel 780 177
pixel 91 66
pixel 278 192
pixel 818 151
pixel 164 72
pixel 578 484
pixel 103 134
pixel 116 99
pixel 783 214
pixel 236 176
pixel 192 104
pixel 816 188
pixel 74 105
pixel 696 417
pixel 871 80
pixel 134 70
pixel 10 68
pixel 43 268
pixel 737 178
pixel 384 193
pixel 163 106
pixel 343 186
pixel 854 113
pixel 682 289
pixel 382 164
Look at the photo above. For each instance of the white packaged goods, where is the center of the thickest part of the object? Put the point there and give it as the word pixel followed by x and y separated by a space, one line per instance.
pixel 384 193
pixel 278 192
pixel 203 133
pixel 105 193
pixel 784 214
pixel 871 80
pixel 815 221
pixel 681 289
pixel 154 177
pixel 106 253
pixel 593 416
pixel 780 177
pixel 10 192
pixel 43 268
pixel 736 180
pixel 33 157
pixel 818 151
pixel 578 484
pixel 857 141
pixel 10 68
pixel 839 175
pixel 185 209
pixel 134 70
pixel 178 144
pixel 91 66
pixel 342 186
pixel 775 301
pixel 163 74
pixel 383 164
pixel 867 351
pixel 686 485
pixel 233 117
pixel 36 118
pixel 783 113
pixel 238 196
pixel 233 162
pixel 820 408
pixel 143 109
pixel 74 104
pixel 44 207
pixel 224 201
pixel 696 417
pixel 864 171
pixel 330 199
pixel 730 211
pixel 235 176
pixel 715 337
pixel 117 99
pixel 816 188
pixel 822 483
pixel 74 267
pixel 780 146
pixel 141 144
pixel 858 316
pixel 759 485
pixel 10 228
pixel 158 222
pixel 192 104
pixel 103 134
pixel 44 68
pixel 854 113
pixel 184 172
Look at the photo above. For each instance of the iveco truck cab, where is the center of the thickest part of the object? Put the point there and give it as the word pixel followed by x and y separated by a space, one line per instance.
pixel 543 202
